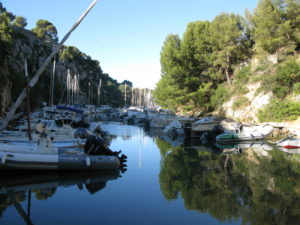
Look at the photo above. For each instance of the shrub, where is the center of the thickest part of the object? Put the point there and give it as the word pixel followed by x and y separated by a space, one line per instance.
pixel 243 75
pixel 287 74
pixel 240 102
pixel 279 111
pixel 220 95
pixel 296 88
pixel 281 83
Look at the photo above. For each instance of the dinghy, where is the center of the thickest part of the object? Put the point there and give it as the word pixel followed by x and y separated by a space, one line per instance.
pixel 246 134
pixel 43 156
pixel 289 143
pixel 40 161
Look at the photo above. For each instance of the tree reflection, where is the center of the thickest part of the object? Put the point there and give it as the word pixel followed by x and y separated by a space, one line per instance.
pixel 256 189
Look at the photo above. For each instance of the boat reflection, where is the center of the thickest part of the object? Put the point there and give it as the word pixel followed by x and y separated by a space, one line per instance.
pixel 249 188
pixel 17 187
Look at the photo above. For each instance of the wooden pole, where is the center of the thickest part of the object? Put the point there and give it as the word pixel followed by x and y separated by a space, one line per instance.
pixel 37 75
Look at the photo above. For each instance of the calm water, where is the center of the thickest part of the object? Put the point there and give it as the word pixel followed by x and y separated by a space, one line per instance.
pixel 164 184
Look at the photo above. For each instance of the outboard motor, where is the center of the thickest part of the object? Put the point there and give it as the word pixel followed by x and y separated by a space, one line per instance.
pixel 96 146
pixel 210 136
pixel 98 130
pixel 81 133
pixel 218 129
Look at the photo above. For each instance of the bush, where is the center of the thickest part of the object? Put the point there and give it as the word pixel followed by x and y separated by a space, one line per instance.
pixel 287 74
pixel 281 83
pixel 241 102
pixel 296 88
pixel 220 95
pixel 243 75
pixel 278 111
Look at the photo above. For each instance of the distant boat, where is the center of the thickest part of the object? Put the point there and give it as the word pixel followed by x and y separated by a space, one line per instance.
pixel 246 134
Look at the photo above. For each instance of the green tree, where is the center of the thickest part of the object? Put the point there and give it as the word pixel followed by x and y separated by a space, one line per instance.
pixel 272 30
pixel 196 51
pixel 6 35
pixel 46 31
pixel 168 90
pixel 293 15
pixel 229 42
pixel 20 21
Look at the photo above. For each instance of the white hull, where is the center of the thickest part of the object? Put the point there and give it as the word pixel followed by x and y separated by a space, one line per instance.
pixel 248 134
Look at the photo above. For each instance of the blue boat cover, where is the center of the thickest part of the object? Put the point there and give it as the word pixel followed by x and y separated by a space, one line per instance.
pixel 70 108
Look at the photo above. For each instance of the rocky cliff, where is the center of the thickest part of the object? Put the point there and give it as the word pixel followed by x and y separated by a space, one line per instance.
pixel 25 45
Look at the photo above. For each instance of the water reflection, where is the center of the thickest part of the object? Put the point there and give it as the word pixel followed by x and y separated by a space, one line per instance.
pixel 18 187
pixel 256 186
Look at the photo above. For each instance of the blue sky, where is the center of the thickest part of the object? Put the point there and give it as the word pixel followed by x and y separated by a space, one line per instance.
pixel 126 36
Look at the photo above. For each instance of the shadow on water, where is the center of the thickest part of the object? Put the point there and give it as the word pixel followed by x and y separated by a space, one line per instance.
pixel 17 187
pixel 253 183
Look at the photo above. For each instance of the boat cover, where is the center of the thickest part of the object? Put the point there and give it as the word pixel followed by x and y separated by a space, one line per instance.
pixel 70 108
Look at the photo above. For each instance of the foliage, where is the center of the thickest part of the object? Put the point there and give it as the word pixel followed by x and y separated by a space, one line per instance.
pixel 192 67
pixel 46 31
pixel 240 102
pixel 282 82
pixel 6 37
pixel 276 24
pixel 279 111
pixel 220 95
pixel 17 44
pixel 229 43
pixel 209 53
pixel 20 21
pixel 297 88
pixel 82 64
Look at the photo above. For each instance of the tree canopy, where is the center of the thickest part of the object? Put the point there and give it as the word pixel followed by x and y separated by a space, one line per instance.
pixel 46 31
pixel 195 67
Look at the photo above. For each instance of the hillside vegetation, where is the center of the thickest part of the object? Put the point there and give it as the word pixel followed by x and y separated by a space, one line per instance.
pixel 18 44
pixel 245 67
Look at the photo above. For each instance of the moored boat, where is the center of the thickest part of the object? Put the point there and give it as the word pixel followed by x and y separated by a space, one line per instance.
pixel 246 134
pixel 39 161
pixel 43 156
pixel 289 143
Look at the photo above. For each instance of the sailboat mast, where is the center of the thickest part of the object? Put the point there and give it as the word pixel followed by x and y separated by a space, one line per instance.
pixel 37 75
pixel 28 102
pixel 52 84
pixel 89 98
pixel 99 92
pixel 125 95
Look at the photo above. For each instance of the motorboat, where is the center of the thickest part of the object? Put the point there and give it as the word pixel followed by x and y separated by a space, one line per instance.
pixel 289 143
pixel 246 134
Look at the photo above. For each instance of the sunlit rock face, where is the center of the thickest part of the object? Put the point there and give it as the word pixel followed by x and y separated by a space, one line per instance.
pixel 248 112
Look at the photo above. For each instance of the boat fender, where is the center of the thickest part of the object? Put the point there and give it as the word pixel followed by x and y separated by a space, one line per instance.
pixel 88 161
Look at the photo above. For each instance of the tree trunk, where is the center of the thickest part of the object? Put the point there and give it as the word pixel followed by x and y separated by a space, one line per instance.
pixel 227 76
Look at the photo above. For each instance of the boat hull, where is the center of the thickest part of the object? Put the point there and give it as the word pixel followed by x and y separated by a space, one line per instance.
pixel 249 134
pixel 29 161
pixel 289 143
